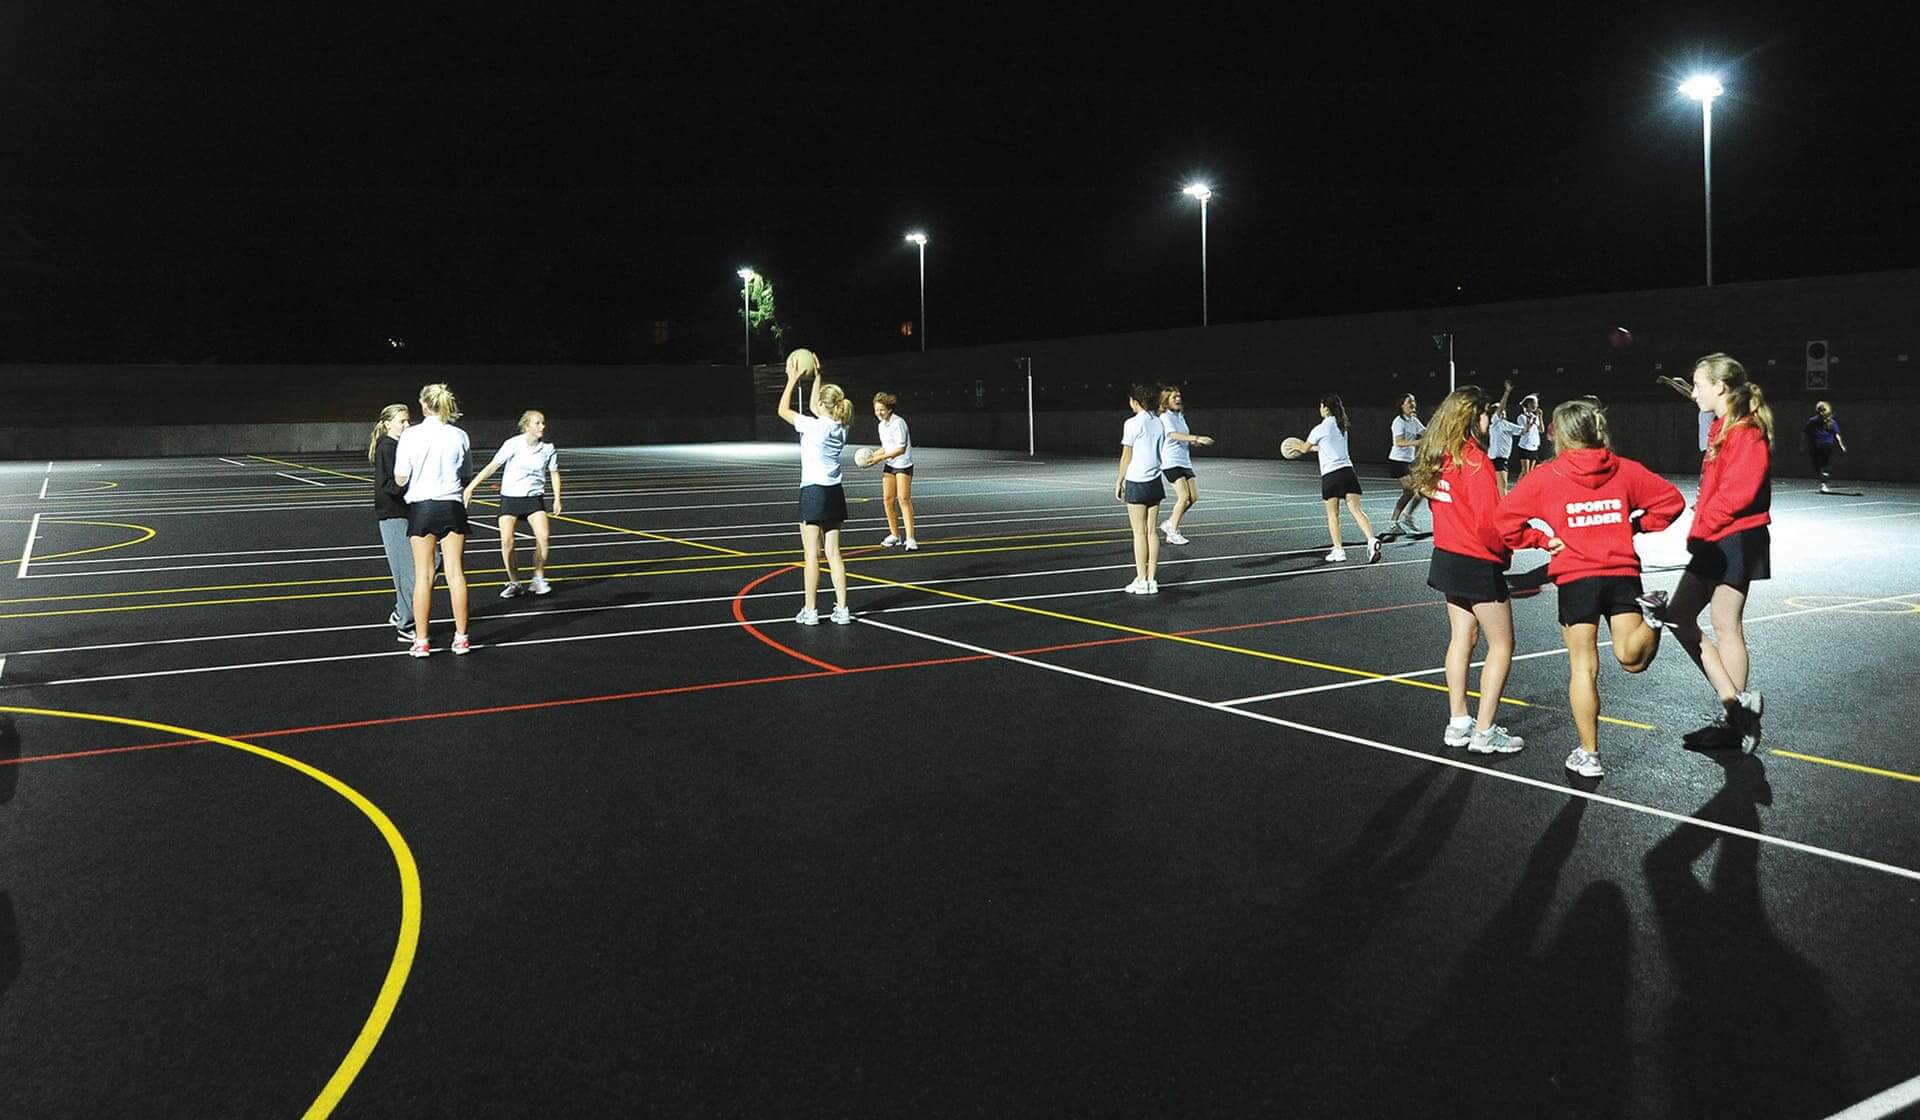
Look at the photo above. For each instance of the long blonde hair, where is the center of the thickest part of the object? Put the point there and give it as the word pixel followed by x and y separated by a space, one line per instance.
pixel 835 403
pixel 1579 423
pixel 1746 404
pixel 1453 423
pixel 437 399
pixel 391 412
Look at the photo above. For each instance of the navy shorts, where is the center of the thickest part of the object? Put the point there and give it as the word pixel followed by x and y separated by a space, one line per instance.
pixel 437 519
pixel 1339 483
pixel 1398 469
pixel 523 507
pixel 1499 464
pixel 1821 454
pixel 1587 600
pixel 1467 578
pixel 1148 493
pixel 891 469
pixel 1736 559
pixel 1175 474
pixel 825 506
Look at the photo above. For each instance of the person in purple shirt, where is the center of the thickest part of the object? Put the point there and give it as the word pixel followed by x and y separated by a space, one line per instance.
pixel 1823 435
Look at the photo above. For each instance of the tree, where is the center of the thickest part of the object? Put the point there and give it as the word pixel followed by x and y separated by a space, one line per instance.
pixel 762 312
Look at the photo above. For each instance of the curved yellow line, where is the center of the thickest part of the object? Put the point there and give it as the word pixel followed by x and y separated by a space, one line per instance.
pixel 1848 604
pixel 147 529
pixel 94 489
pixel 403 950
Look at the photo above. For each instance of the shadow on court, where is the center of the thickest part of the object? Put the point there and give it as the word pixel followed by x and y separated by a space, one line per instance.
pixel 1750 1031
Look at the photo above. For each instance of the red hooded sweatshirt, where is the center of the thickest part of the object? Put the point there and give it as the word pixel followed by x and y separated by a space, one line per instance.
pixel 1589 495
pixel 1463 503
pixel 1736 489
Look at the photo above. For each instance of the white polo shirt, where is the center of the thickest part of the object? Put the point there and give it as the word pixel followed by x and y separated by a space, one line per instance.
pixel 1405 427
pixel 430 457
pixel 894 434
pixel 523 468
pixel 1332 443
pixel 1173 452
pixel 821 441
pixel 1143 433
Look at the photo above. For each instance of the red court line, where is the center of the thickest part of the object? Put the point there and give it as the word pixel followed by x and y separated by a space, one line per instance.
pixel 539 705
pixel 740 616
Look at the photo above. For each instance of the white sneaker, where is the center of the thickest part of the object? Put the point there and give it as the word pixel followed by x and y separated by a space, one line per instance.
pixel 1495 740
pixel 1751 705
pixel 1137 587
pixel 1373 551
pixel 912 545
pixel 1153 587
pixel 1175 538
pixel 889 541
pixel 1459 732
pixel 807 617
pixel 1167 525
pixel 539 586
pixel 1653 608
pixel 841 616
pixel 510 590
pixel 1584 764
pixel 1337 556
pixel 419 648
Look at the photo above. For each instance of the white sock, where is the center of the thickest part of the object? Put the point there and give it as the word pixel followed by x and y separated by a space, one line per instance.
pixel 1460 721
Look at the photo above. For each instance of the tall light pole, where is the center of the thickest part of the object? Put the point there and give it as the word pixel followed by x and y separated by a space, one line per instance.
pixel 1704 88
pixel 1202 192
pixel 920 239
pixel 747 277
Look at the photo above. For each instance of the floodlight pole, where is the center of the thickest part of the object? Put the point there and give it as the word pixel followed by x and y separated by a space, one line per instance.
pixel 746 276
pixel 920 239
pixel 1706 160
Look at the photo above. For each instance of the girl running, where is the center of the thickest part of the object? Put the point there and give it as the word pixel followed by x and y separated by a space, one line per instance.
pixel 1176 462
pixel 823 502
pixel 1337 480
pixel 1730 543
pixel 390 509
pixel 1588 495
pixel 529 462
pixel 1406 430
pixel 896 469
pixel 1526 446
pixel 428 463
pixel 1469 563
pixel 1823 435
pixel 1138 485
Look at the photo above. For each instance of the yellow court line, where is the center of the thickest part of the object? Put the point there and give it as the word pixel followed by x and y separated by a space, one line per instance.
pixel 96 488
pixel 148 530
pixel 1220 646
pixel 1846 765
pixel 403 949
pixel 319 470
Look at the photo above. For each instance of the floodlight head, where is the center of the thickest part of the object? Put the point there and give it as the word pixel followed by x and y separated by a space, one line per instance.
pixel 1197 190
pixel 1703 87
pixel 746 274
pixel 917 238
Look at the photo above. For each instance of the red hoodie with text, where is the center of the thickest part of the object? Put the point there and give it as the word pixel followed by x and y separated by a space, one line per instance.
pixel 1588 495
pixel 1463 503
pixel 1736 487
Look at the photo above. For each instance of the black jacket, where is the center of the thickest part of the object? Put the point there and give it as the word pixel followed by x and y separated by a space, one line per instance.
pixel 389 500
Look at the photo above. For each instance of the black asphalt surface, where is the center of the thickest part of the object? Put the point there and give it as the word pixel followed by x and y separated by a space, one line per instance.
pixel 1001 847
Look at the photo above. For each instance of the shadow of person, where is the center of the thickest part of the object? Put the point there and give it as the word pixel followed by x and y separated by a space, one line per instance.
pixel 1750 1028
pixel 1519 1033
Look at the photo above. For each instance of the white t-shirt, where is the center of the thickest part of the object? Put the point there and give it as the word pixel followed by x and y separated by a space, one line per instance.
pixel 821 441
pixel 893 433
pixel 1173 452
pixel 1500 433
pixel 430 457
pixel 1706 429
pixel 523 469
pixel 1332 443
pixel 1405 427
pixel 1530 440
pixel 1143 433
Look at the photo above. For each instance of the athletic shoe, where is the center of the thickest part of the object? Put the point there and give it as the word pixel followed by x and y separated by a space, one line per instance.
pixel 510 590
pixel 404 633
pixel 1750 705
pixel 841 616
pixel 419 648
pixel 1495 740
pixel 1459 734
pixel 461 645
pixel 807 617
pixel 1584 764
pixel 1393 530
pixel 912 545
pixel 1824 490
pixel 1137 587
pixel 1167 525
pixel 1337 556
pixel 1373 551
pixel 540 586
pixel 889 541
pixel 1153 587
pixel 1175 538
pixel 1653 607
pixel 394 620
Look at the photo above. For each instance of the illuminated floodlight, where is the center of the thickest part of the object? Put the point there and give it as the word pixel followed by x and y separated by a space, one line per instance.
pixel 1703 87
pixel 1197 190
pixel 917 237
pixel 746 274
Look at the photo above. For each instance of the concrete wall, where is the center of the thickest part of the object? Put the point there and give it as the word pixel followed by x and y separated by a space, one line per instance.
pixel 296 439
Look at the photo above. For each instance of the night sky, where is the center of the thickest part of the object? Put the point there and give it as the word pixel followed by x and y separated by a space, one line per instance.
pixel 542 183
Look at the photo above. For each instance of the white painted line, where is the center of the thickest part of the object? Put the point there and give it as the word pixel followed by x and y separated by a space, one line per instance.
pixel 43 486
pixel 27 555
pixel 1893 1100
pixel 224 459
pixel 1422 756
pixel 3 665
pixel 297 478
pixel 49 466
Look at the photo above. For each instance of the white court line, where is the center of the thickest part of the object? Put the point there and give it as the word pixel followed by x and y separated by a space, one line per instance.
pixel 1883 1104
pixel 1539 653
pixel 224 459
pixel 45 481
pixel 297 478
pixel 28 553
pixel 1422 756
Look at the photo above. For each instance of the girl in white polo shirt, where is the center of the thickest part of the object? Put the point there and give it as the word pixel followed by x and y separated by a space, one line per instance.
pixel 1406 442
pixel 428 463
pixel 529 461
pixel 1176 460
pixel 896 469
pixel 1138 485
pixel 823 501
pixel 1337 480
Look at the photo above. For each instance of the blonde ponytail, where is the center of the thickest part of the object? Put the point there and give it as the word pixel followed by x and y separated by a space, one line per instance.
pixel 437 399
pixel 391 412
pixel 1746 401
pixel 835 403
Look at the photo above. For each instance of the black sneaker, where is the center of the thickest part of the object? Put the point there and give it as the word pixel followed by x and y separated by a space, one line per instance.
pixel 404 633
